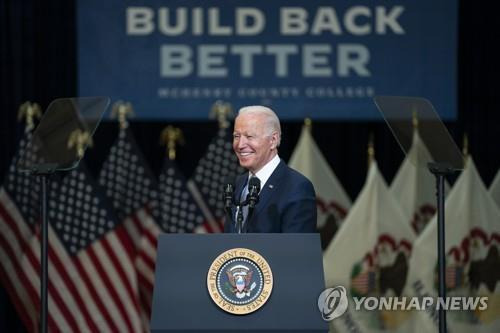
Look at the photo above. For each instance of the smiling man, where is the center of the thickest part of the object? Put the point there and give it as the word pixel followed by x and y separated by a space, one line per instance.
pixel 287 202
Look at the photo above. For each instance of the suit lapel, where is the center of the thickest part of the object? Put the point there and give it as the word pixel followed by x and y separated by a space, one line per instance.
pixel 266 193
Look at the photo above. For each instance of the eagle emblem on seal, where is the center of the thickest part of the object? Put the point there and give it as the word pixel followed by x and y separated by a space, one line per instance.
pixel 240 277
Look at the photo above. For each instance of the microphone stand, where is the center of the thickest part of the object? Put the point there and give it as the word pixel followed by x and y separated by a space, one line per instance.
pixel 251 200
pixel 239 217
pixel 250 212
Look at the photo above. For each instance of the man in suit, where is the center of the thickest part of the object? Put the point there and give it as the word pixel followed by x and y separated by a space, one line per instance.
pixel 287 202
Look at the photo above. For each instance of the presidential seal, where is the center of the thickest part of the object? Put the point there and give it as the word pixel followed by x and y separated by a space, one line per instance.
pixel 240 281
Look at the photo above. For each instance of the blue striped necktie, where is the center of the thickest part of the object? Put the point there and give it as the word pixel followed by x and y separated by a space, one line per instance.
pixel 243 197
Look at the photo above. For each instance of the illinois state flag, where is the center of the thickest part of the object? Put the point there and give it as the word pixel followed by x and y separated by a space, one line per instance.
pixel 369 256
pixel 495 188
pixel 472 257
pixel 331 199
pixel 414 187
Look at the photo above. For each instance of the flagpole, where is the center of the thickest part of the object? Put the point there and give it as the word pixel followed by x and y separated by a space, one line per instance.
pixel 44 254
pixel 440 170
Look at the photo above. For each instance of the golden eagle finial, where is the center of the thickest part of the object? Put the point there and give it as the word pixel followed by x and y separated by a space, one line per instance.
pixel 308 124
pixel 122 111
pixel 30 111
pixel 414 119
pixel 465 147
pixel 371 149
pixel 79 140
pixel 221 111
pixel 169 137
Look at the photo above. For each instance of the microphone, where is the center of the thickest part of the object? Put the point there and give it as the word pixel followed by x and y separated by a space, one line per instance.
pixel 228 195
pixel 253 192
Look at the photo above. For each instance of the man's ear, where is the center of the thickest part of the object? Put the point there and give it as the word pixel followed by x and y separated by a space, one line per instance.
pixel 274 140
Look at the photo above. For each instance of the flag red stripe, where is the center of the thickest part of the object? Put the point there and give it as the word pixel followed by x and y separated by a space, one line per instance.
pixel 220 224
pixel 151 237
pixel 213 227
pixel 144 279
pixel 56 297
pixel 65 311
pixel 11 224
pixel 58 264
pixel 29 321
pixel 138 222
pixel 95 296
pixel 147 293
pixel 125 240
pixel 147 259
pixel 147 289
pixel 132 230
pixel 109 285
pixel 145 283
pixel 208 227
pixel 119 266
pixel 145 286
pixel 26 283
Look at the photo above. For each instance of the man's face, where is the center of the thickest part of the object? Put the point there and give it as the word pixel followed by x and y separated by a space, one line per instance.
pixel 253 144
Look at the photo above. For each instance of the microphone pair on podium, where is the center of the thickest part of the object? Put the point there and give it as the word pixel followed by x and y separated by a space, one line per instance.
pixel 251 200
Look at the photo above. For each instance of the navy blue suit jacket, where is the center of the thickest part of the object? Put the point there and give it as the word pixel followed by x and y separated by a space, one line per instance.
pixel 287 203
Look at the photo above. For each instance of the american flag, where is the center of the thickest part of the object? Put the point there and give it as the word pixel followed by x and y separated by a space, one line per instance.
pixel 92 281
pixel 19 211
pixel 453 276
pixel 127 177
pixel 133 189
pixel 363 283
pixel 218 163
pixel 178 209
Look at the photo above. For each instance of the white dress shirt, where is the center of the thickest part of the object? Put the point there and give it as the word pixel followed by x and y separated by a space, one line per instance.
pixel 266 171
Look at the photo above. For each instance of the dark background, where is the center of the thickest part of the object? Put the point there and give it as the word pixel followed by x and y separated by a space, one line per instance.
pixel 39 63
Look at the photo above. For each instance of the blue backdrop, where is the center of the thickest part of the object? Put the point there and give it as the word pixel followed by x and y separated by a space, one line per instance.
pixel 319 59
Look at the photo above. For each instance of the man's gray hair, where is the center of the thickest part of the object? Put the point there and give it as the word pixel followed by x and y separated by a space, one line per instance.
pixel 272 120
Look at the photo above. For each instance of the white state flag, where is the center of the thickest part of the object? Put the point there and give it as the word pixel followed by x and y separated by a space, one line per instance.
pixel 369 256
pixel 472 223
pixel 331 198
pixel 414 186
pixel 495 188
